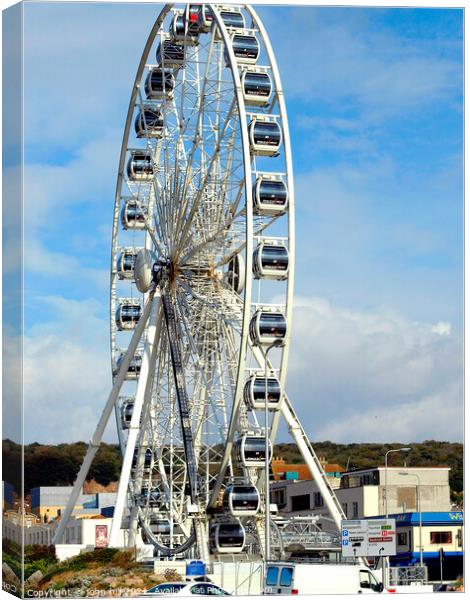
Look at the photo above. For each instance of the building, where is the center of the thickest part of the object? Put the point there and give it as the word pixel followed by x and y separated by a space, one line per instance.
pixel 379 491
pixel 18 526
pixel 48 503
pixel 402 493
pixel 282 471
pixel 362 493
pixel 429 532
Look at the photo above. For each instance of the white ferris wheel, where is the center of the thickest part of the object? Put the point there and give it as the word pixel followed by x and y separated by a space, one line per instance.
pixel 202 273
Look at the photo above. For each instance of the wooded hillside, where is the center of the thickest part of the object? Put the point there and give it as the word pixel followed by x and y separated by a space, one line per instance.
pixel 58 465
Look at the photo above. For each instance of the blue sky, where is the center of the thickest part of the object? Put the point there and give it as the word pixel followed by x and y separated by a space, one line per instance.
pixel 375 108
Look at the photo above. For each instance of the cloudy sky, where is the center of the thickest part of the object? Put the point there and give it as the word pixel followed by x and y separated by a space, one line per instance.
pixel 375 106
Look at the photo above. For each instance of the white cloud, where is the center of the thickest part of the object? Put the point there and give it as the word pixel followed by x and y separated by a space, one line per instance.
pixel 373 375
pixel 442 328
pixel 67 373
pixel 11 382
pixel 430 417
pixel 370 233
pixel 353 375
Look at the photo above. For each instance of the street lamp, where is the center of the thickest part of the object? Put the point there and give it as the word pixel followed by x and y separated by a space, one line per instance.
pixel 275 344
pixel 386 561
pixel 418 497
pixel 386 471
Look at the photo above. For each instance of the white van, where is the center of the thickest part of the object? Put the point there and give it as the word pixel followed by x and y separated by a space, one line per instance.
pixel 321 578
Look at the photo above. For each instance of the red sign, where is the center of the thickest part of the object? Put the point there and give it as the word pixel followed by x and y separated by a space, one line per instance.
pixel 101 536
pixel 377 540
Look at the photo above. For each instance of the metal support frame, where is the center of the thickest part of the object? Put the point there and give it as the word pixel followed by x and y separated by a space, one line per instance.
pixel 143 389
pixel 108 409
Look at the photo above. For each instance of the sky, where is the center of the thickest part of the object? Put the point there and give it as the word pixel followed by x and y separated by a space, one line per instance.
pixel 374 98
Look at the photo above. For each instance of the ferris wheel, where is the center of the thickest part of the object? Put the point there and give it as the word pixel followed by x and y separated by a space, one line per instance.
pixel 202 267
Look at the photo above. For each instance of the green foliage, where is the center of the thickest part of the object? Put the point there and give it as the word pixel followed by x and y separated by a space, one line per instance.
pixel 36 558
pixel 366 455
pixel 59 465
pixel 87 560
pixel 13 563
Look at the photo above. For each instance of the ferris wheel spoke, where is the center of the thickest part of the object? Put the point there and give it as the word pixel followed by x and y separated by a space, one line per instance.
pixel 188 221
pixel 223 231
pixel 219 309
pixel 195 144
pixel 241 247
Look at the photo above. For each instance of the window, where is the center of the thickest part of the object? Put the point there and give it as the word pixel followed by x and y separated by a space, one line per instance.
pixel 317 499
pixel 364 579
pixel 355 509
pixel 402 538
pixel 441 537
pixel 368 581
pixel 286 576
pixel 345 508
pixel 301 502
pixel 271 577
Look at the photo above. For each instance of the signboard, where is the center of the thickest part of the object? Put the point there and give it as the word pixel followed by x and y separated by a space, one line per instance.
pixel 369 537
pixel 101 536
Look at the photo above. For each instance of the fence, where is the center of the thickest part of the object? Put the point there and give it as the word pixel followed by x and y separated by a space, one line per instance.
pixel 408 575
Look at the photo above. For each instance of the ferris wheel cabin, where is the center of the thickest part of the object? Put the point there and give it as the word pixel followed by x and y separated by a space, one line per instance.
pixel 191 19
pixel 170 54
pixel 205 16
pixel 128 314
pixel 127 408
pixel 257 87
pixel 159 83
pixel 270 195
pixel 236 273
pixel 147 462
pixel 271 260
pixel 135 365
pixel 159 525
pixel 265 136
pixel 251 451
pixel 233 17
pixel 149 123
pixel 245 48
pixel 180 34
pixel 241 500
pixel 254 393
pixel 140 165
pixel 268 327
pixel 133 215
pixel 227 537
pixel 126 262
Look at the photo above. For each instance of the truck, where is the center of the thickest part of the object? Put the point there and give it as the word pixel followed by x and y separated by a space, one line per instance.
pixel 320 578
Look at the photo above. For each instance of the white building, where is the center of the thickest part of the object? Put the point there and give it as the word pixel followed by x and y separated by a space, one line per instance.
pixel 364 493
